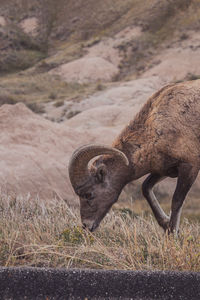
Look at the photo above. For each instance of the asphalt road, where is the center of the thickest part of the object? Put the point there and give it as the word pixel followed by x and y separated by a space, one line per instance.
pixel 47 284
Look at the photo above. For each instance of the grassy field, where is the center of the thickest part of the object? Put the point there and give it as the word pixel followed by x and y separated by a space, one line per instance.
pixel 37 89
pixel 33 233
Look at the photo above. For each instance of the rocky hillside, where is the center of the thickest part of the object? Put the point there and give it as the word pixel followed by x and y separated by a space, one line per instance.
pixel 64 50
pixel 89 66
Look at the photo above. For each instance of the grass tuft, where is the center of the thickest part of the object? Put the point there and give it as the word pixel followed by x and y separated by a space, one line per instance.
pixel 34 233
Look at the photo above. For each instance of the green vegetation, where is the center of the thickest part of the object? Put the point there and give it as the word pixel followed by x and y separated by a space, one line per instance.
pixel 34 233
pixel 39 88
pixel 19 60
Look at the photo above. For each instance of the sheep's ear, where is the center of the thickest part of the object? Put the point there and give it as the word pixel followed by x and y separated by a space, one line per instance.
pixel 101 174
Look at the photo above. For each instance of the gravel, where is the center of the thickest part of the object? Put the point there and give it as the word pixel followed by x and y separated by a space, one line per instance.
pixel 45 283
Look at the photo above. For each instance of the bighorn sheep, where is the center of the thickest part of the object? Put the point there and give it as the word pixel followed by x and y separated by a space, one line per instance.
pixel 163 141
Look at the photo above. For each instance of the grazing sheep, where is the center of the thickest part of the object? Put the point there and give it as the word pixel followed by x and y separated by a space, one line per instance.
pixel 163 141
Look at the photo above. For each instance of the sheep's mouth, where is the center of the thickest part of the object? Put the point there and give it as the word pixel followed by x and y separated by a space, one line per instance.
pixel 94 227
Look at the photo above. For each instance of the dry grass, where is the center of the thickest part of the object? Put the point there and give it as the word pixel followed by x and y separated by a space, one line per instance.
pixel 39 88
pixel 34 233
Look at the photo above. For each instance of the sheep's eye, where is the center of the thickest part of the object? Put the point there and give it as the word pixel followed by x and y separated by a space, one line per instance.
pixel 88 196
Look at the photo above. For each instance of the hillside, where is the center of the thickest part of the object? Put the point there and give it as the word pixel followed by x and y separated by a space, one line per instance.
pixel 122 38
pixel 89 66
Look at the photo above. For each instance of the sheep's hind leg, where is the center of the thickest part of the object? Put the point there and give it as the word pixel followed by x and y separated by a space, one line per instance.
pixel 147 189
pixel 186 177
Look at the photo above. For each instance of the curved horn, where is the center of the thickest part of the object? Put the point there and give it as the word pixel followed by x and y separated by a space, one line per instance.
pixel 78 165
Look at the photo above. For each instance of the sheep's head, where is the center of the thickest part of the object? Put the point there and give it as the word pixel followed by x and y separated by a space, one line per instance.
pixel 99 185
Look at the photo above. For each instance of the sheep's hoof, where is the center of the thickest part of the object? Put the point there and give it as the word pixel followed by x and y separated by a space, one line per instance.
pixel 165 224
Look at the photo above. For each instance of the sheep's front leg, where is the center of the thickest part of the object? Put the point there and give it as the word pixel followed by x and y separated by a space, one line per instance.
pixel 147 189
pixel 186 177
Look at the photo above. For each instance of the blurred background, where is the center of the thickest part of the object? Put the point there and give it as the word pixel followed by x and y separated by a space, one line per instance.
pixel 75 72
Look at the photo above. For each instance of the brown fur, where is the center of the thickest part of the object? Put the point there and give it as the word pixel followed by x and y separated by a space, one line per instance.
pixel 165 131
pixel 162 140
